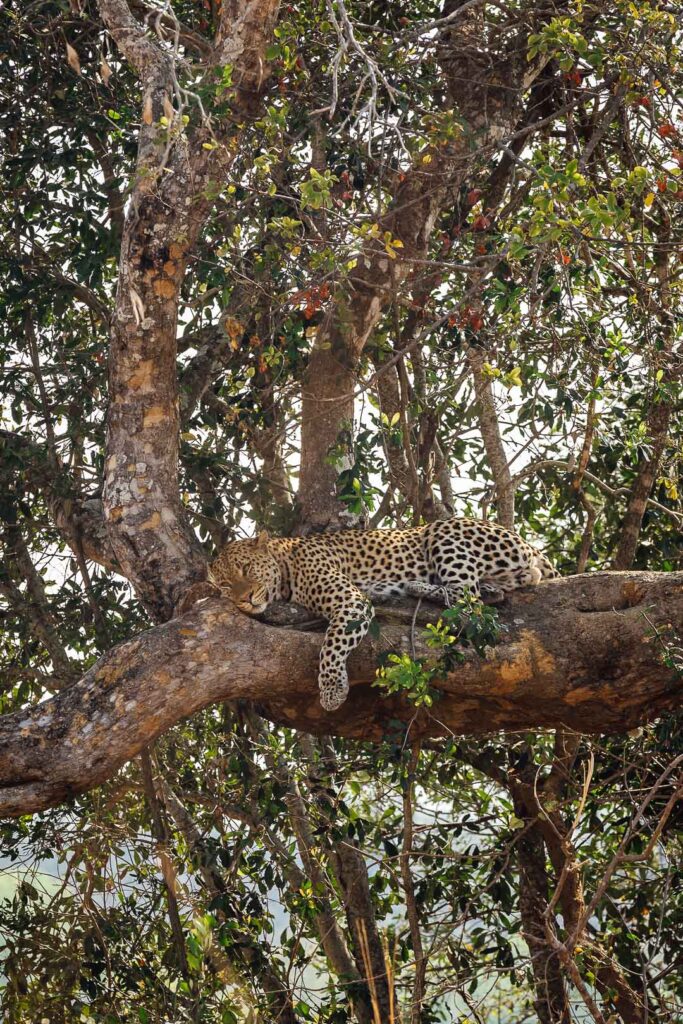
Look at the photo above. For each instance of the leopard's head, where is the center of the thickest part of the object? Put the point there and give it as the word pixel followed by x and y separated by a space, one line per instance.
pixel 248 573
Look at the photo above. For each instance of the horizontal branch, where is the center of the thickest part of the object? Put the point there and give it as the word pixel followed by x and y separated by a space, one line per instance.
pixel 581 652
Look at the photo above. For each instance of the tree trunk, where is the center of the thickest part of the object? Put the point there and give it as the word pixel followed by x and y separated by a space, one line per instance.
pixel 147 527
pixel 326 434
pixel 176 175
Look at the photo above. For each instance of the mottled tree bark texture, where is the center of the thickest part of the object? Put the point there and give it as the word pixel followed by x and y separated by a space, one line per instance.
pixel 169 203
pixel 585 653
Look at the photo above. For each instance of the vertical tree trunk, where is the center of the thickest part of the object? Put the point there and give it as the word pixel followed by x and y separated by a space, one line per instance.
pixel 141 497
pixel 326 434
pixel 493 442
pixel 175 180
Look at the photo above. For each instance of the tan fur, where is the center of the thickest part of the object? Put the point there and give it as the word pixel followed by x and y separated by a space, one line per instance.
pixel 337 576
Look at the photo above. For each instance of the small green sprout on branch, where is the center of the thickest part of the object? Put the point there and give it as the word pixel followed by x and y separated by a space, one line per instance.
pixel 468 625
pixel 670 645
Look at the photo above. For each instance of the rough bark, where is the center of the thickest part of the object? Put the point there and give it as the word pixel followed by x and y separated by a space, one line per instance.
pixel 579 652
pixel 170 200
pixel 493 441
pixel 141 494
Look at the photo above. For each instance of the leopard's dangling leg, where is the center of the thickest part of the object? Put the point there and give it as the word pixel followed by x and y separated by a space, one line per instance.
pixel 343 636
pixel 349 614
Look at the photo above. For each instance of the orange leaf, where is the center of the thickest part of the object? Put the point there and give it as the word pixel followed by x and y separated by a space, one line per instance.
pixel 72 58
pixel 147 115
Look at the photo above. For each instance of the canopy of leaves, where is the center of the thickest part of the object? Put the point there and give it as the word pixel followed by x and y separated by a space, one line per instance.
pixel 246 872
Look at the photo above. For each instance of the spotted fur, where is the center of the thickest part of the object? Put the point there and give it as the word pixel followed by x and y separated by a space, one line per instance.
pixel 337 576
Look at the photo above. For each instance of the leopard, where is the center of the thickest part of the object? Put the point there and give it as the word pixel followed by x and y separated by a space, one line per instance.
pixel 338 576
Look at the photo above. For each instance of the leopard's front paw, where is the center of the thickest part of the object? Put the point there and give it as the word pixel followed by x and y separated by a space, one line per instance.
pixel 333 691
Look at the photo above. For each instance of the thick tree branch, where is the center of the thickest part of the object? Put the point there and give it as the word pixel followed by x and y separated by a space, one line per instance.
pixel 580 652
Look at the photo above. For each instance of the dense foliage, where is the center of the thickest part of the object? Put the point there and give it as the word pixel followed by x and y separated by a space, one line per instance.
pixel 527 362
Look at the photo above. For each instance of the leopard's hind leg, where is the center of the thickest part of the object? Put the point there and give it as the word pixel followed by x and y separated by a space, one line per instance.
pixel 443 593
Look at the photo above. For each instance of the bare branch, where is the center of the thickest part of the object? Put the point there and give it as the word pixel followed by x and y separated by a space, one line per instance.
pixel 141 52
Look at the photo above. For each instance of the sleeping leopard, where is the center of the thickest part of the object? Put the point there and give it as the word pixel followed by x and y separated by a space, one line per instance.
pixel 338 575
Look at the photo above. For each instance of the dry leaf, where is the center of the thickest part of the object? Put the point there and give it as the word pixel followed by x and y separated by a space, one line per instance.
pixel 72 58
pixel 169 112
pixel 105 72
pixel 147 115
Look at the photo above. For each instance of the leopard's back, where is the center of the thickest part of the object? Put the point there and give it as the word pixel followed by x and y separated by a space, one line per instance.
pixel 457 550
pixel 339 575
pixel 465 549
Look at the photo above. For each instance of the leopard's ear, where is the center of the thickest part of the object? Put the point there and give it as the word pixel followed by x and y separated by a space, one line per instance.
pixel 262 540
